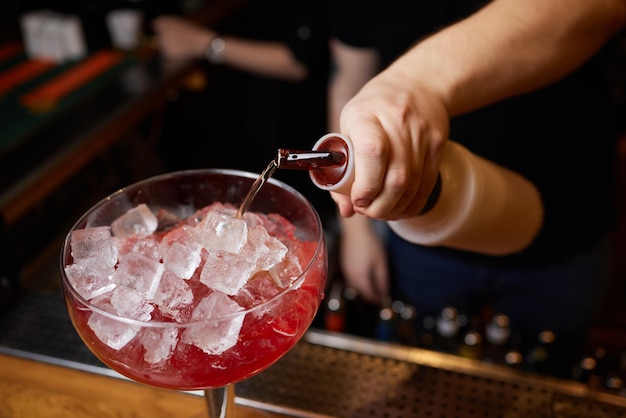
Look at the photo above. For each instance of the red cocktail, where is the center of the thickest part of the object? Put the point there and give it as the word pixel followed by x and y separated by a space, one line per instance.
pixel 166 285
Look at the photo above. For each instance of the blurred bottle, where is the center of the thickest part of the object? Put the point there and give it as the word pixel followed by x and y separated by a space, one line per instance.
pixel 479 206
pixel 447 329
pixel 471 345
pixel 385 324
pixel 602 358
pixel 426 332
pixel 608 375
pixel 538 356
pixel 335 314
pixel 497 334
pixel 406 316
pixel 464 322
pixel 614 383
pixel 514 355
pixel 361 316
pixel 585 369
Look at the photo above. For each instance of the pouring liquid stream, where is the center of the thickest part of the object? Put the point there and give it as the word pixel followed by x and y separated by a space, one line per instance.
pixel 293 160
pixel 256 187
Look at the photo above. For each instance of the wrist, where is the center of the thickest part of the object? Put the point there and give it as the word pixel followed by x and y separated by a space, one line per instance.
pixel 355 223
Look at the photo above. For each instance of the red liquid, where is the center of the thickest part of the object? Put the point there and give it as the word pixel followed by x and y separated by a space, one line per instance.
pixel 266 335
pixel 262 341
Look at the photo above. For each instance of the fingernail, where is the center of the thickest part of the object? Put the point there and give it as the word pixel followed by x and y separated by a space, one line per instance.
pixel 362 203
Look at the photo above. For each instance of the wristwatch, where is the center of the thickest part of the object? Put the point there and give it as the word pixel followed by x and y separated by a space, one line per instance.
pixel 215 52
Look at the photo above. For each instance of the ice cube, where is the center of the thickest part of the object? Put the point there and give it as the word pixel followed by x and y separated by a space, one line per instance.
pixel 279 226
pixel 226 272
pixel 166 220
pixel 216 207
pixel 159 343
pixel 148 246
pixel 129 304
pixel 221 232
pixel 93 242
pixel 253 219
pixel 113 332
pixel 258 290
pixel 173 295
pixel 179 235
pixel 263 250
pixel 139 273
pixel 212 335
pixel 182 260
pixel 287 271
pixel 138 221
pixel 90 277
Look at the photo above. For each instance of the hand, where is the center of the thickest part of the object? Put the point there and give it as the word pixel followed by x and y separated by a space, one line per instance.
pixel 398 126
pixel 364 260
pixel 180 39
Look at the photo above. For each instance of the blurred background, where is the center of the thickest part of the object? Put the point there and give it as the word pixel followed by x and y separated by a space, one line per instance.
pixel 56 160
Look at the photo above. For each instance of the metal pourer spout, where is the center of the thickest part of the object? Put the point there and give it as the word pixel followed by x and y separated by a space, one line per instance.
pixel 308 160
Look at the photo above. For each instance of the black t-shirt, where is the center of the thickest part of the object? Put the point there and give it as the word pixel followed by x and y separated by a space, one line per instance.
pixel 561 137
pixel 241 119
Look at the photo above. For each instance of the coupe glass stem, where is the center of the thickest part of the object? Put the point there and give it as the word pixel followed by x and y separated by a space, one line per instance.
pixel 221 402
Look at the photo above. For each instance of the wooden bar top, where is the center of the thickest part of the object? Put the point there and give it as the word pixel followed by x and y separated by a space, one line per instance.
pixel 33 389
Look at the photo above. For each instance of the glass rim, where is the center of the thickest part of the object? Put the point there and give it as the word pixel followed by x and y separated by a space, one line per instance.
pixel 67 286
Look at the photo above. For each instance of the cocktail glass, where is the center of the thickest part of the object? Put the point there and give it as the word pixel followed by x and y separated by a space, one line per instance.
pixel 197 352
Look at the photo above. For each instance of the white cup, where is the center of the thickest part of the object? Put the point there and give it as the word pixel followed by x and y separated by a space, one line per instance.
pixel 125 28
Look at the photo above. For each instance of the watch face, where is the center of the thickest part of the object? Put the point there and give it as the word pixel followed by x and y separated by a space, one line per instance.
pixel 215 54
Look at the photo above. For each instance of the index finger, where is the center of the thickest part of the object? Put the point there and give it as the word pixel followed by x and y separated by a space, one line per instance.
pixel 371 151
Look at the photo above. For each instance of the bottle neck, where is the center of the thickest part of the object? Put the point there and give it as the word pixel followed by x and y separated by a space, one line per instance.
pixel 309 160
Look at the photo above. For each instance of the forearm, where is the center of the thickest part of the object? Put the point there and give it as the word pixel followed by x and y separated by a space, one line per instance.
pixel 508 48
pixel 353 67
pixel 399 121
pixel 271 59
pixel 179 38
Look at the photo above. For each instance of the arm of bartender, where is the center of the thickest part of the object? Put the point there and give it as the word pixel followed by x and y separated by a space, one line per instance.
pixel 399 120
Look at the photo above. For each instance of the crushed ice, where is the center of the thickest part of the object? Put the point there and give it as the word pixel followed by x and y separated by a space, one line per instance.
pixel 163 267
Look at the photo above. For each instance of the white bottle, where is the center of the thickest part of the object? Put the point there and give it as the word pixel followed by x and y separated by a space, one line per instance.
pixel 482 207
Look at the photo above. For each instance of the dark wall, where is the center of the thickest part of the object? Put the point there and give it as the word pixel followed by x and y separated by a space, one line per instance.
pixel 92 13
pixel 9 12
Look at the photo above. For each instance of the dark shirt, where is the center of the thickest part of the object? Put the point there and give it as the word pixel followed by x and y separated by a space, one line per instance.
pixel 241 119
pixel 562 137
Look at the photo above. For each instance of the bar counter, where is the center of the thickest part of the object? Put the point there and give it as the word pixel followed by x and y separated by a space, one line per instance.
pixel 325 375
pixel 30 388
